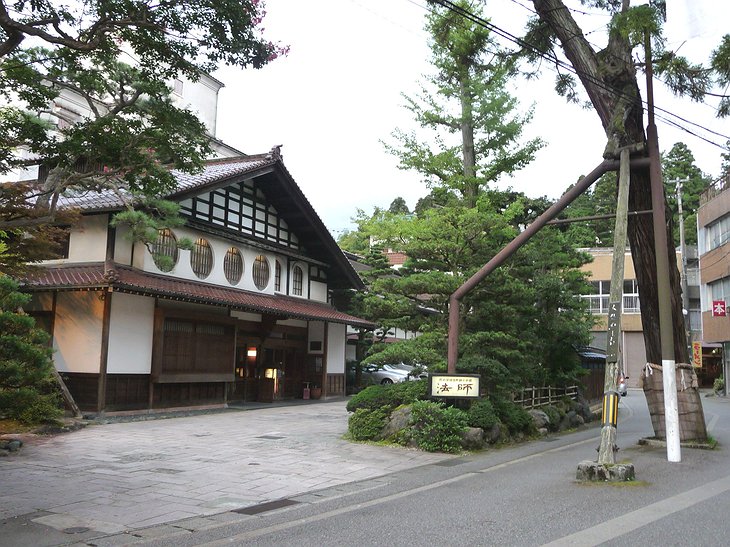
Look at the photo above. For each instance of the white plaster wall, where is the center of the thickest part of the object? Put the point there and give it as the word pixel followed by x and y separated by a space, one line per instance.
pixel 219 246
pixel 123 246
pixel 318 291
pixel 131 329
pixel 202 98
pixel 336 348
pixel 87 242
pixel 316 334
pixel 77 331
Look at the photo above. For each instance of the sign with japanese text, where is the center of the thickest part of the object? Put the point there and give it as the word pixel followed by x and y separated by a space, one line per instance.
pixel 697 354
pixel 719 308
pixel 459 386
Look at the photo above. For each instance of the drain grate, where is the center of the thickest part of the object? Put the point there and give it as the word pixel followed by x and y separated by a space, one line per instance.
pixel 270 437
pixel 264 507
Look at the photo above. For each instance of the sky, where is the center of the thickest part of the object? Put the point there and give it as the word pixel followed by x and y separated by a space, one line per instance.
pixel 338 94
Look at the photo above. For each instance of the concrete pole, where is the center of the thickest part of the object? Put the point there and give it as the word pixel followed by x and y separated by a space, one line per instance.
pixel 669 375
pixel 683 250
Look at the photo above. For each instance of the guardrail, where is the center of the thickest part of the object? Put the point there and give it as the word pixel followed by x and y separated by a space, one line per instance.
pixel 533 397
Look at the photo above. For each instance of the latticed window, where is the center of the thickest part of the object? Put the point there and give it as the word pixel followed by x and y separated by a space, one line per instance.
pixel 260 272
pixel 201 258
pixel 277 276
pixel 297 281
pixel 233 265
pixel 164 250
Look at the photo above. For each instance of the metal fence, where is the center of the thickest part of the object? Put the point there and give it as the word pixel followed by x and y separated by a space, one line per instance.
pixel 533 397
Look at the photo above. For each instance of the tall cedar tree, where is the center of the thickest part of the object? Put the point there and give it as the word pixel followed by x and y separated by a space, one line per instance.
pixel 609 78
pixel 520 324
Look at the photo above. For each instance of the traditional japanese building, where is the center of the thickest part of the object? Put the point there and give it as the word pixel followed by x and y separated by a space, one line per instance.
pixel 244 315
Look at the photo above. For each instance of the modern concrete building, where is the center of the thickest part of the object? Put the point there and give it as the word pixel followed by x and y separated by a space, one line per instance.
pixel 713 223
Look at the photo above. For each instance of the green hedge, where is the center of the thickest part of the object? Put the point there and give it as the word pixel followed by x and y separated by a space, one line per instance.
pixel 366 425
pixel 482 414
pixel 389 396
pixel 436 428
pixel 516 418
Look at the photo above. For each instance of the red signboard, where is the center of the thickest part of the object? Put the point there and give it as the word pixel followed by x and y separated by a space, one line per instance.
pixel 719 308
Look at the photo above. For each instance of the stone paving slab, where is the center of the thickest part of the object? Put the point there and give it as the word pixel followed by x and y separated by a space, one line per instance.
pixel 126 476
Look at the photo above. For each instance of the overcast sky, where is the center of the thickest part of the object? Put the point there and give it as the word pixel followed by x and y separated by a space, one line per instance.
pixel 338 94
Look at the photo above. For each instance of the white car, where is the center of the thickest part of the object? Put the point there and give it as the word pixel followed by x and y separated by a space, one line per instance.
pixel 390 374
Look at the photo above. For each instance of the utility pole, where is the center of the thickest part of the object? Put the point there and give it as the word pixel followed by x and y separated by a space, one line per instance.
pixel 661 247
pixel 683 250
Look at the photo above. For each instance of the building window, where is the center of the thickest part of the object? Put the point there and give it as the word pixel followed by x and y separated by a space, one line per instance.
pixel 177 87
pixel 297 277
pixel 260 272
pixel 599 301
pixel 201 258
pixel 631 296
pixel 277 276
pixel 233 266
pixel 720 290
pixel 718 233
pixel 164 250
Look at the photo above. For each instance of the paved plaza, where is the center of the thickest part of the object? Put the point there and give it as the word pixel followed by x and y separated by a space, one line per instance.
pixel 117 477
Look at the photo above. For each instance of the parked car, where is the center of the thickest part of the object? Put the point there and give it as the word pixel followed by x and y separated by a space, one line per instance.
pixel 385 374
pixel 419 372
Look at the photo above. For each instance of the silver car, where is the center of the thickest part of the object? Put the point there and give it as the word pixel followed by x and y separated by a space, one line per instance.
pixel 385 374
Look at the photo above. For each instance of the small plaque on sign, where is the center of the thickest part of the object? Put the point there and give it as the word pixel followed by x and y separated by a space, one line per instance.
pixel 454 386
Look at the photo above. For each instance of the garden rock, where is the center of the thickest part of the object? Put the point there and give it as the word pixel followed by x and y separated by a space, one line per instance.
pixel 539 418
pixel 494 434
pixel 577 420
pixel 398 421
pixel 472 438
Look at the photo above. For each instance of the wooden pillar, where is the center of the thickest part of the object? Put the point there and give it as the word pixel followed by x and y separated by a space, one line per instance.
pixel 104 357
pixel 324 359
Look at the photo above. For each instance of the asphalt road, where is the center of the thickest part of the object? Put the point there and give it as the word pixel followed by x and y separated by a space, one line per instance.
pixel 523 495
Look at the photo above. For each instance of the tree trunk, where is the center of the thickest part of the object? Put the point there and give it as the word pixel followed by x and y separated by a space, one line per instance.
pixel 471 187
pixel 609 78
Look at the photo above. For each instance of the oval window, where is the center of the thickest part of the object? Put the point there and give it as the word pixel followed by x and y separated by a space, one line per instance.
pixel 164 250
pixel 260 272
pixel 233 266
pixel 201 258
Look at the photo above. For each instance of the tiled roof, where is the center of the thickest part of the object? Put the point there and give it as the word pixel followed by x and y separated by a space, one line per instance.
pixel 127 279
pixel 213 171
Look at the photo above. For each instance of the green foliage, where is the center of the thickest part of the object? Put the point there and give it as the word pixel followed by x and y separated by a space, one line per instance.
pixel 519 325
pixel 679 165
pixel 436 428
pixel 718 384
pixel 27 390
pixel 482 414
pixel 366 425
pixel 388 396
pixel 516 418
pixel 133 132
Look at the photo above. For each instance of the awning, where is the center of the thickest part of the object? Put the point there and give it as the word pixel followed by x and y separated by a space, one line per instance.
pixel 130 280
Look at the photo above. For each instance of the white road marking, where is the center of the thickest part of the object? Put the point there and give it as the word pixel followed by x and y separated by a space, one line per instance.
pixel 634 520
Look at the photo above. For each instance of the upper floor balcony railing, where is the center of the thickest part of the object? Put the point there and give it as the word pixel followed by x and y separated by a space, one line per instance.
pixel 598 303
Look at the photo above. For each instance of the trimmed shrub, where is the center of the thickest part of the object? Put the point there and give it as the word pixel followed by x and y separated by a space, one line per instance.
pixel 482 414
pixel 516 418
pixel 436 428
pixel 718 384
pixel 390 396
pixel 366 425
